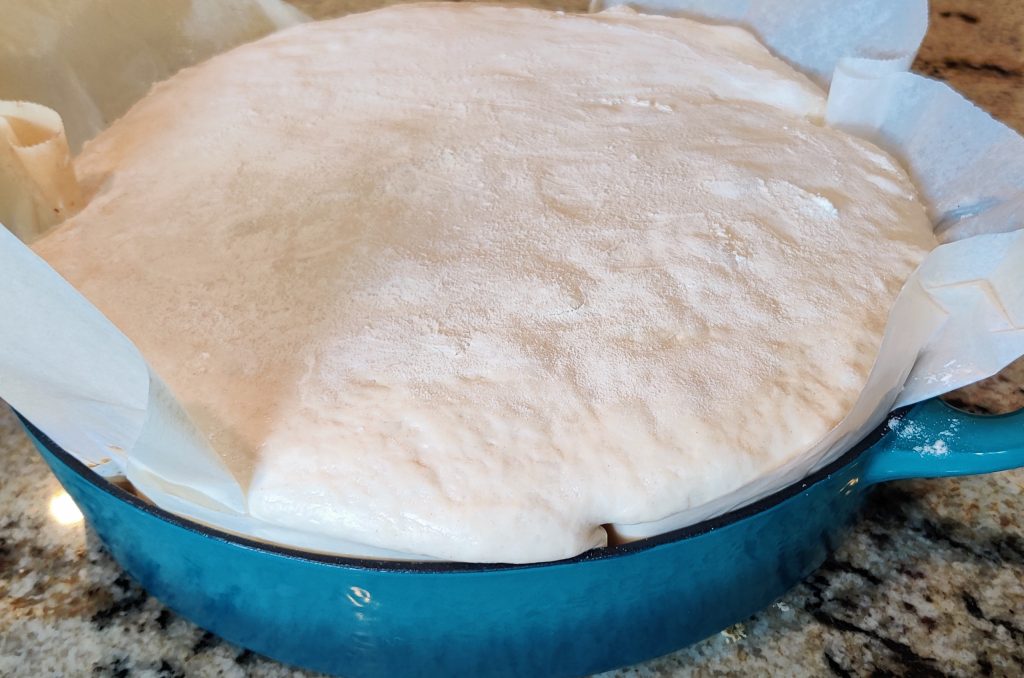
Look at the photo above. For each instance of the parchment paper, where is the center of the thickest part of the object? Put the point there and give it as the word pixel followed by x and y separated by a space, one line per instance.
pixel 38 188
pixel 959 318
pixel 90 60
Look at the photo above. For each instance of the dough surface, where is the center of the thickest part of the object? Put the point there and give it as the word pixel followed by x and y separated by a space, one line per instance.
pixel 472 281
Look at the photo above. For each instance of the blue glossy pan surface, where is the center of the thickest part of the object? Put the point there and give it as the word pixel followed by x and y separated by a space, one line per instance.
pixel 607 608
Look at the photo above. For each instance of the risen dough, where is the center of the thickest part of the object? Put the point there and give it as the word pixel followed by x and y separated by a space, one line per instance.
pixel 472 281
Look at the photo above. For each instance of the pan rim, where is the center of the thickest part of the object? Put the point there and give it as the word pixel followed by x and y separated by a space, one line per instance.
pixel 451 567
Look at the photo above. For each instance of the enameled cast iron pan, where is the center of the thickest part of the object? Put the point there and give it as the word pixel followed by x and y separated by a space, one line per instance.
pixel 606 608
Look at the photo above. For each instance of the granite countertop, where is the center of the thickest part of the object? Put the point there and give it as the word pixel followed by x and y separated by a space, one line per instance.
pixel 931 582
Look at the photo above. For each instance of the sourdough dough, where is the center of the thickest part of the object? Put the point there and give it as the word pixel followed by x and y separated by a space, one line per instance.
pixel 472 281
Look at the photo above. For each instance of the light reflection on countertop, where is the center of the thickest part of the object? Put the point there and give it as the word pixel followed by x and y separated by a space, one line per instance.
pixel 63 510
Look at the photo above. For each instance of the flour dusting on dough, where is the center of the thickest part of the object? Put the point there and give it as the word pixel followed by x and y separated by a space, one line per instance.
pixel 473 281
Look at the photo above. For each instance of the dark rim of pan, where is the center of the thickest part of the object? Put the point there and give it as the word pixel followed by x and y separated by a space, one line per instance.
pixel 618 550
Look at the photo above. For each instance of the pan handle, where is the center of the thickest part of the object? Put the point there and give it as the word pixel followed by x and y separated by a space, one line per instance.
pixel 935 440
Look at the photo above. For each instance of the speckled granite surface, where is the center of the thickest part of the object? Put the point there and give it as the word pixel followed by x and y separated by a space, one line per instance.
pixel 931 582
